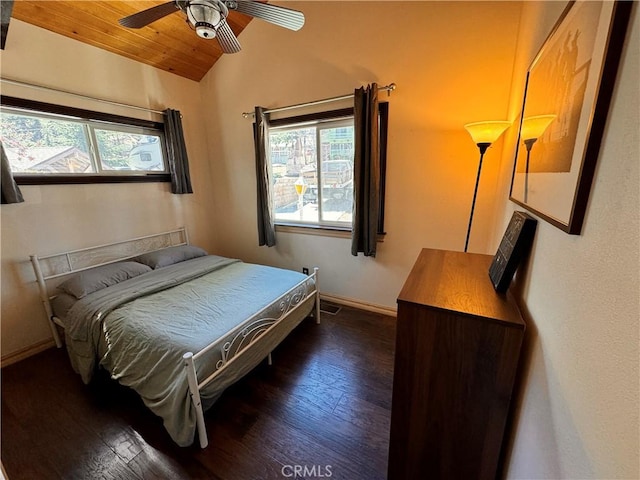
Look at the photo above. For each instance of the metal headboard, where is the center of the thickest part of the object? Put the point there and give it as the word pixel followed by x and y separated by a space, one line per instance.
pixel 60 264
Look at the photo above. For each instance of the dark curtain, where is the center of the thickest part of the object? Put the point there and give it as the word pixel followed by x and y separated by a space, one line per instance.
pixel 366 172
pixel 10 192
pixel 266 227
pixel 177 151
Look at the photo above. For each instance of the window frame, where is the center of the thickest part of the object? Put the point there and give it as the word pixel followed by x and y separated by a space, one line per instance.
pixel 46 109
pixel 337 115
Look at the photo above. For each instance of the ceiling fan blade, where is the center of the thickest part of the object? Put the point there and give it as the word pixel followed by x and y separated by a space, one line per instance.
pixel 227 39
pixel 283 17
pixel 150 15
pixel 5 15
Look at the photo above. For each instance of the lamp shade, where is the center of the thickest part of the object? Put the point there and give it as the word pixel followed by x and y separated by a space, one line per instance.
pixel 486 132
pixel 534 127
pixel 204 17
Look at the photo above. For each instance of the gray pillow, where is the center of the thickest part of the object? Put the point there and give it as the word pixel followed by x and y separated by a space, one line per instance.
pixel 82 284
pixel 171 255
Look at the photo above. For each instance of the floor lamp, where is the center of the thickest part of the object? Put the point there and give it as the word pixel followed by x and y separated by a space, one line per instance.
pixel 483 134
pixel 532 129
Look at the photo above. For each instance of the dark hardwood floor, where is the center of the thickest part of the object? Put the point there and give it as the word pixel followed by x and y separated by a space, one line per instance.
pixel 322 410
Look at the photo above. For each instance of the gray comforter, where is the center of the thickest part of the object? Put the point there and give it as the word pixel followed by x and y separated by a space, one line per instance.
pixel 138 330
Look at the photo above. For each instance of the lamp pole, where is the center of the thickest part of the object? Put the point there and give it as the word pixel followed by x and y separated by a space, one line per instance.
pixel 483 148
pixel 527 143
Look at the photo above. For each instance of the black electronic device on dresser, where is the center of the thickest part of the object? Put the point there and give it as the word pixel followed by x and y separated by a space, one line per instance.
pixel 515 244
pixel 457 349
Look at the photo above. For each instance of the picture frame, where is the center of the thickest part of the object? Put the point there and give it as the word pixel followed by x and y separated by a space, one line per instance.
pixel 567 96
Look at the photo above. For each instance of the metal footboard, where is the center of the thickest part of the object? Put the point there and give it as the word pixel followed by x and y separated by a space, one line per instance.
pixel 248 338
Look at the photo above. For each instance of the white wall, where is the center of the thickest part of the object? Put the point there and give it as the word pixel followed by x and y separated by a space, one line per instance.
pixel 452 63
pixel 56 218
pixel 577 416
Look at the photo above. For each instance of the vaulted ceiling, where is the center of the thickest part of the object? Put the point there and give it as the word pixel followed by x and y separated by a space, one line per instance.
pixel 168 44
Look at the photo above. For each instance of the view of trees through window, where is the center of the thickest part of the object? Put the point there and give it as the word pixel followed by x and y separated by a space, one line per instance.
pixel 41 144
pixel 303 157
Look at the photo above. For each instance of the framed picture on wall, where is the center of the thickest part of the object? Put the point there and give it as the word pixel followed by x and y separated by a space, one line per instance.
pixel 567 96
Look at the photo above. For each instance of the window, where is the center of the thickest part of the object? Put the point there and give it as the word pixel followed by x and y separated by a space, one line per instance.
pixel 311 160
pixel 50 144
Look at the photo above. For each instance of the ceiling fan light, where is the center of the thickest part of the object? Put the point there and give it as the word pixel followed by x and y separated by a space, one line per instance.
pixel 205 30
pixel 204 17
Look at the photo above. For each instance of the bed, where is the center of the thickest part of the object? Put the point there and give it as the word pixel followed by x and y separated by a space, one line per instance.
pixel 168 320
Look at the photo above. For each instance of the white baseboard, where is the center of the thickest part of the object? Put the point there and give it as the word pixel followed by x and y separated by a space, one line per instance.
pixel 26 352
pixel 350 302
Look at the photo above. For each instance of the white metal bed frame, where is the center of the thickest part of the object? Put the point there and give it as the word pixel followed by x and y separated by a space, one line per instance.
pixel 61 264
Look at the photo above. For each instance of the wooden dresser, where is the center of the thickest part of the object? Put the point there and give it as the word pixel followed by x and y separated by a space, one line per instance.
pixel 457 349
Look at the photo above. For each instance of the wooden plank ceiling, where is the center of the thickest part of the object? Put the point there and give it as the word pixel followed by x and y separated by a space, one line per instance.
pixel 169 43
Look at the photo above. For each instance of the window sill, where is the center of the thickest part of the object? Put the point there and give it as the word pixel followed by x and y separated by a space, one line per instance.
pixel 78 179
pixel 314 230
pixel 320 231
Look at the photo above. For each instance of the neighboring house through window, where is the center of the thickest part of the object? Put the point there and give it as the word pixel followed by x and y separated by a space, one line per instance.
pixel 311 159
pixel 51 144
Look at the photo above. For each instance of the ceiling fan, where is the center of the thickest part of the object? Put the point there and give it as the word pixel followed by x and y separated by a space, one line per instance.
pixel 209 17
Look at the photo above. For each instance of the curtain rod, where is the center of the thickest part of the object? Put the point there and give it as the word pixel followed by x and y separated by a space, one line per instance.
pixel 42 87
pixel 388 88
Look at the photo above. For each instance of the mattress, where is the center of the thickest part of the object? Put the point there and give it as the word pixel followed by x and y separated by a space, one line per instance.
pixel 139 329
